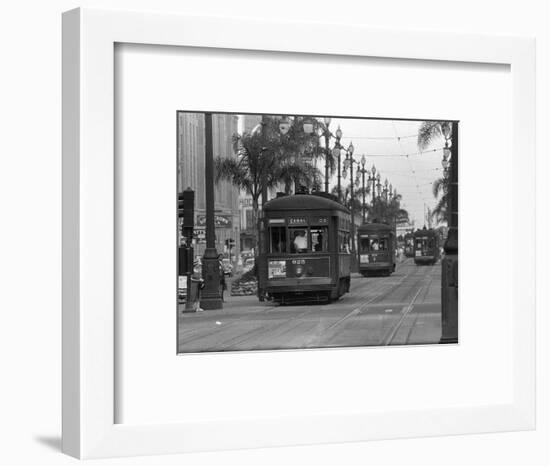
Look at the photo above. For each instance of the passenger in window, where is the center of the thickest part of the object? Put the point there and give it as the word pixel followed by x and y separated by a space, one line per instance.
pixel 300 241
pixel 319 245
pixel 374 245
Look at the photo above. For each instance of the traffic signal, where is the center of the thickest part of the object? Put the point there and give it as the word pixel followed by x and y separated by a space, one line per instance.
pixel 180 205
pixel 188 198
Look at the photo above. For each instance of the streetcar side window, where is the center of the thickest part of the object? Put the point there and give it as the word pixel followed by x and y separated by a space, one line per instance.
pixel 298 240
pixel 343 239
pixel 277 239
pixel 364 244
pixel 319 239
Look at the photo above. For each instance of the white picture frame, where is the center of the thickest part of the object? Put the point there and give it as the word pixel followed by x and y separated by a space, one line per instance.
pixel 89 38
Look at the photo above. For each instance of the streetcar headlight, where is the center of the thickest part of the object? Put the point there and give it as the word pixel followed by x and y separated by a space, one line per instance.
pixel 299 270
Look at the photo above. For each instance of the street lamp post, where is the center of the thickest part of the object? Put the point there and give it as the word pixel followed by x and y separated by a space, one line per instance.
pixel 349 163
pixel 337 152
pixel 363 171
pixel 210 296
pixel 449 272
pixel 326 133
pixel 373 177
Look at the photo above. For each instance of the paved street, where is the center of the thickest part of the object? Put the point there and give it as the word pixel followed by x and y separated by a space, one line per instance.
pixel 403 309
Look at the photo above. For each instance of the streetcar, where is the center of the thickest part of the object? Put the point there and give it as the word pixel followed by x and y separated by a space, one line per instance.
pixel 409 245
pixel 376 249
pixel 305 253
pixel 426 246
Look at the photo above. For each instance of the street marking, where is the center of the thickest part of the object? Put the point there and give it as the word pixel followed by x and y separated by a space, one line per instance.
pixel 388 310
pixel 218 322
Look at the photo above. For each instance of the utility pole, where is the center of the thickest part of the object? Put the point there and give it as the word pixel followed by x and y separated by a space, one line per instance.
pixel 210 296
pixel 449 265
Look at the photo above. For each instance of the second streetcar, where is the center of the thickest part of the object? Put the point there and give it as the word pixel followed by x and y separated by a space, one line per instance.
pixel 376 249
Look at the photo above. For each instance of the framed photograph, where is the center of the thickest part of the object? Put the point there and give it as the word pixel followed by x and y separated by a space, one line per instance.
pixel 261 233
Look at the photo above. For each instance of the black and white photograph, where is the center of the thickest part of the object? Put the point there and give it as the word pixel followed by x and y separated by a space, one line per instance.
pixel 301 231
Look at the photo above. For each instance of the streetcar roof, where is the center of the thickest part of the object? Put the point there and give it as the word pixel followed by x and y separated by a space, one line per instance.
pixel 303 202
pixel 424 232
pixel 368 227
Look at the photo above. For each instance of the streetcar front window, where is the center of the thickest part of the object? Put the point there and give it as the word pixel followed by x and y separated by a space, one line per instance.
pixel 278 239
pixel 383 244
pixel 298 240
pixel 373 244
pixel 424 244
pixel 319 239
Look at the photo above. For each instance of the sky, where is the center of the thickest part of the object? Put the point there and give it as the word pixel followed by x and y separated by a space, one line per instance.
pixel 391 146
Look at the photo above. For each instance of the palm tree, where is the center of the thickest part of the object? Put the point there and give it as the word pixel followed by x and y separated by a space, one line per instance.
pixel 428 132
pixel 432 130
pixel 265 159
pixel 440 192
pixel 298 172
pixel 359 191
pixel 298 152
pixel 251 171
pixel 346 198
pixel 388 210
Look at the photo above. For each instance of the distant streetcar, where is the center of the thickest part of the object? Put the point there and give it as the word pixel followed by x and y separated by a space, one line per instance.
pixel 426 246
pixel 376 249
pixel 304 249
pixel 409 245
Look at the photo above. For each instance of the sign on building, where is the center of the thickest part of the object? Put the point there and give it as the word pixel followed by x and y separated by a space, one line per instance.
pixel 220 221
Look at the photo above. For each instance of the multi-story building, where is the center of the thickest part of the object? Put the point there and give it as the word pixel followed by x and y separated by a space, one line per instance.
pixel 191 171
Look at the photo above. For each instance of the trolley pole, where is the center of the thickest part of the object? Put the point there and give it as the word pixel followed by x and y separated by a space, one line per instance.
pixel 449 272
pixel 210 297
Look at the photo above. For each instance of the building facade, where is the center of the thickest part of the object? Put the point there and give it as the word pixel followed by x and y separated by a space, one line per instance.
pixel 191 174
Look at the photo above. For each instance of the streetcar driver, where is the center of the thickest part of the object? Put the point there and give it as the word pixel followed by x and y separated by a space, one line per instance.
pixel 300 241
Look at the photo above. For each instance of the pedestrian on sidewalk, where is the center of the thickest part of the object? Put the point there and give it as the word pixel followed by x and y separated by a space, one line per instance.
pixel 197 284
pixel 223 284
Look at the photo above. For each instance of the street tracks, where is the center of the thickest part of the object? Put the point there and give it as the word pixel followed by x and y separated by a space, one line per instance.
pixel 392 332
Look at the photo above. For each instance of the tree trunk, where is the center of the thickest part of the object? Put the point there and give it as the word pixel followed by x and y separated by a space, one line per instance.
pixel 255 206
